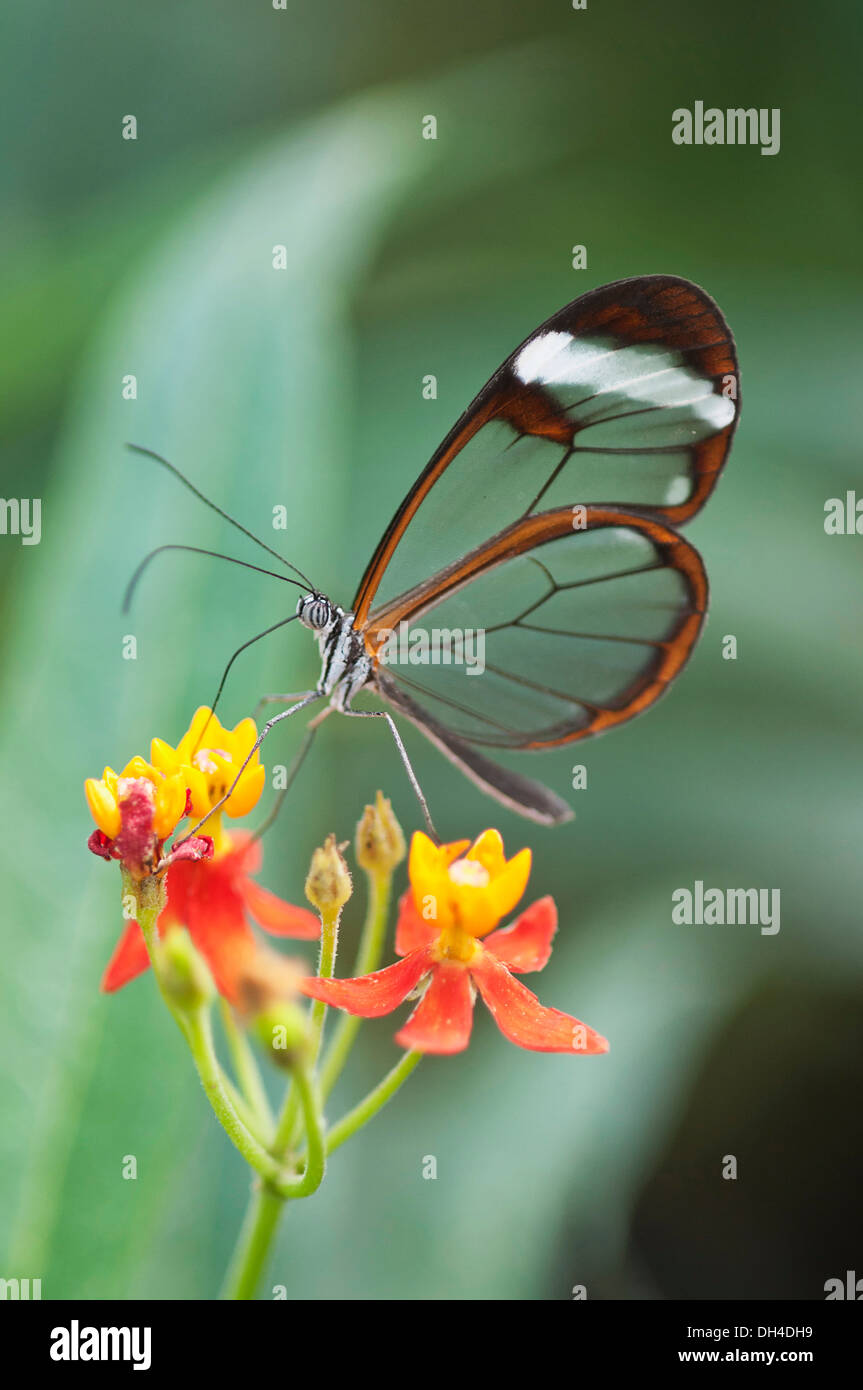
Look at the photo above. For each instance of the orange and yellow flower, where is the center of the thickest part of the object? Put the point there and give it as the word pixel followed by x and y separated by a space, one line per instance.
pixel 449 938
pixel 208 878
pixel 106 794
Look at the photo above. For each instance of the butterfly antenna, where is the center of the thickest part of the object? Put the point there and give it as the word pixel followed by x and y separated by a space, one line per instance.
pixel 195 550
pixel 266 632
pixel 196 492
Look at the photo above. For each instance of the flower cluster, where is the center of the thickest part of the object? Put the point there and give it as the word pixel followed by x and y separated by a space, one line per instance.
pixel 209 888
pixel 195 899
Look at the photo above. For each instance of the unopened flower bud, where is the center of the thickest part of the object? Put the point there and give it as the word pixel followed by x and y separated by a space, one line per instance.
pixel 264 978
pixel 182 971
pixel 328 885
pixel 380 843
pixel 282 1030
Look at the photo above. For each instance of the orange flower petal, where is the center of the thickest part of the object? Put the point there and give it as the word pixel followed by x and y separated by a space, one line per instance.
pixel 412 931
pixel 370 996
pixel 442 1020
pixel 130 958
pixel 521 1018
pixel 278 917
pixel 526 945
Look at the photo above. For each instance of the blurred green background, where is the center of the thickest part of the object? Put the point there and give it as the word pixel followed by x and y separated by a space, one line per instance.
pixel 406 257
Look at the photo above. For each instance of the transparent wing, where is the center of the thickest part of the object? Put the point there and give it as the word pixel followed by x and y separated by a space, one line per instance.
pixel 628 397
pixel 546 633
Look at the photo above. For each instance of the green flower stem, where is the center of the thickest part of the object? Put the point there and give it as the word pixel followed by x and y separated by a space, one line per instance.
pixel 286 1128
pixel 326 967
pixel 149 896
pixel 375 1101
pixel 195 1025
pixel 368 959
pixel 246 1068
pixel 254 1243
pixel 252 1122
pixel 259 1228
pixel 316 1154
pixel 199 1034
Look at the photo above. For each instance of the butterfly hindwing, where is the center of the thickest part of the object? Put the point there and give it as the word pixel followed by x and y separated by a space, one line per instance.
pixel 547 633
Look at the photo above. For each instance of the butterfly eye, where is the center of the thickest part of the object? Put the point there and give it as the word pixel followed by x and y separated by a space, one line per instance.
pixel 314 611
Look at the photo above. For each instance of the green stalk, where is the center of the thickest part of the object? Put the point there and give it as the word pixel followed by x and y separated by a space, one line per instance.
pixel 287 1122
pixel 374 1102
pixel 368 959
pixel 246 1069
pixel 195 1025
pixel 253 1246
pixel 259 1228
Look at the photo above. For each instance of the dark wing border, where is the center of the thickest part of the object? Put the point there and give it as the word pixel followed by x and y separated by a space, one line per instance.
pixel 526 535
pixel 648 308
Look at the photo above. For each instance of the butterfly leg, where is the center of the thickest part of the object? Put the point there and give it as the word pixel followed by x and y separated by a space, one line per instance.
pixel 276 700
pixel 403 754
pixel 299 759
pixel 307 698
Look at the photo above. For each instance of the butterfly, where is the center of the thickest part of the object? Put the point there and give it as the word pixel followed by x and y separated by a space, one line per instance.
pixel 546 525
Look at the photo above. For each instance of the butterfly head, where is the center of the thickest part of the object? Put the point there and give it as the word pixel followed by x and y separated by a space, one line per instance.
pixel 315 611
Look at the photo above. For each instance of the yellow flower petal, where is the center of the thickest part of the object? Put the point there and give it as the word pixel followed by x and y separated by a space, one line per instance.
pixel 428 860
pixel 488 849
pixel 202 719
pixel 473 891
pixel 453 851
pixel 163 756
pixel 199 788
pixel 103 807
pixel 138 767
pixel 242 740
pixel 428 870
pixel 169 806
pixel 423 854
pixel 508 888
pixel 248 792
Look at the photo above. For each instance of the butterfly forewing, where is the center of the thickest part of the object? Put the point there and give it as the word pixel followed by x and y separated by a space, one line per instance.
pixel 627 397
pixel 539 537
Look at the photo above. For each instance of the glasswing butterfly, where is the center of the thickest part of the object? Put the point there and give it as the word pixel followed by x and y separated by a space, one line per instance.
pixel 547 519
